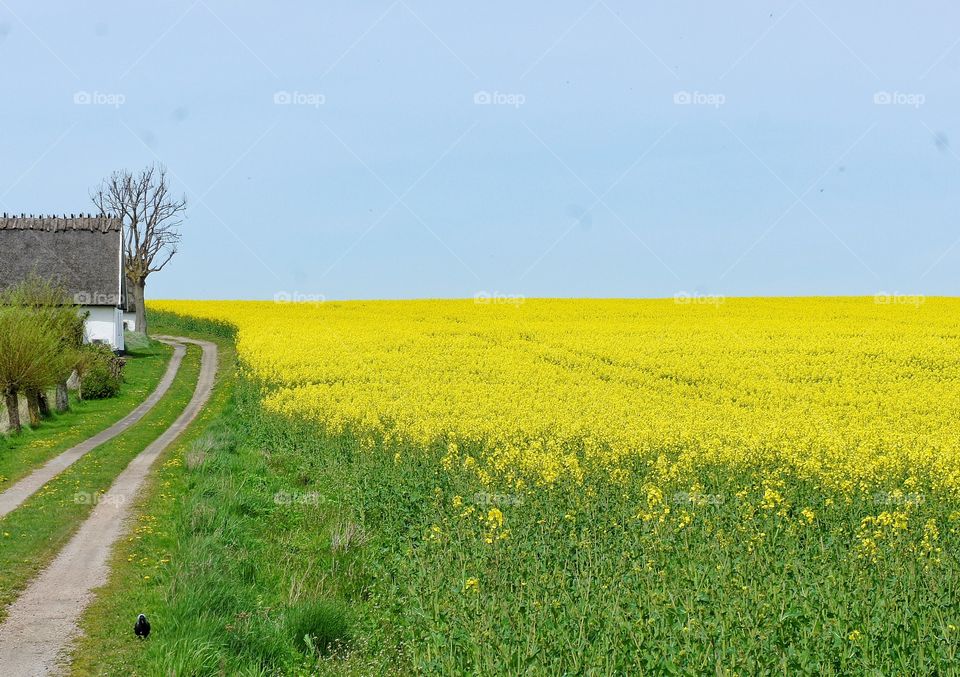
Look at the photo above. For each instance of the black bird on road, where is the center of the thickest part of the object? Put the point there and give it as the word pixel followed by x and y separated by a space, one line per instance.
pixel 142 627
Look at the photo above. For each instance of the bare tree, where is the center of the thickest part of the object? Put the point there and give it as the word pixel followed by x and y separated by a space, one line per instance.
pixel 151 224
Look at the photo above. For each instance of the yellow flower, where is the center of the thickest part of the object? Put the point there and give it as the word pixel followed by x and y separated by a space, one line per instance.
pixel 771 499
pixel 666 385
pixel 472 584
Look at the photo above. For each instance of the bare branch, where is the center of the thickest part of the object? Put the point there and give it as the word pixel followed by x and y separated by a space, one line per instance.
pixel 151 219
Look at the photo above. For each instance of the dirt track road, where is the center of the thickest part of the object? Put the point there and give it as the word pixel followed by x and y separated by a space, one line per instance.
pixel 42 622
pixel 20 491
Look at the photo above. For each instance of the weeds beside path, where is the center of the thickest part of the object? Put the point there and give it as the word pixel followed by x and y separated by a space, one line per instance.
pixel 12 497
pixel 19 454
pixel 231 557
pixel 42 621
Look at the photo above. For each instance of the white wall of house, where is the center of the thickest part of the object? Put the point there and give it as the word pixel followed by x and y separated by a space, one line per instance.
pixel 105 325
pixel 130 321
pixel 119 325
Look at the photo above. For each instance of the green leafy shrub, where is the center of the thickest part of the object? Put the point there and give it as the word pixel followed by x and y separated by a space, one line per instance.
pixel 101 372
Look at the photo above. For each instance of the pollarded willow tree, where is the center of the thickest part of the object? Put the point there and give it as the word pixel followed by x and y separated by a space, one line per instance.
pixel 23 344
pixel 151 225
pixel 49 304
pixel 40 332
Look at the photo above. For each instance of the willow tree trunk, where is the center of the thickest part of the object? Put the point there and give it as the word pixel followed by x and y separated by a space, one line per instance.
pixel 138 294
pixel 62 402
pixel 13 411
pixel 33 407
pixel 44 403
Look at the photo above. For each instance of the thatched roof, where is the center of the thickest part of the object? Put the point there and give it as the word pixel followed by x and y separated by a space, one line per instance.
pixel 80 252
pixel 59 224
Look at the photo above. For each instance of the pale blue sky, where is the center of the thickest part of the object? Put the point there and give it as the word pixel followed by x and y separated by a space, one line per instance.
pixel 819 152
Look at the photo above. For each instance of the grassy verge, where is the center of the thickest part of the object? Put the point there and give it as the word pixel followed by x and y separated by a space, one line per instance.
pixel 232 561
pixel 33 533
pixel 19 454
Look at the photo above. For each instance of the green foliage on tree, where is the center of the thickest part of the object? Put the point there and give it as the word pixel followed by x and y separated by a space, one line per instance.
pixel 40 336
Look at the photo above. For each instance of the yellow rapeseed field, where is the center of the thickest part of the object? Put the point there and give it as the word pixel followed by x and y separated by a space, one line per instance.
pixel 846 392
pixel 676 486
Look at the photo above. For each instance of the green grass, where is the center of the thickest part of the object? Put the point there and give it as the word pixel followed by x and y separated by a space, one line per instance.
pixel 32 534
pixel 19 454
pixel 238 556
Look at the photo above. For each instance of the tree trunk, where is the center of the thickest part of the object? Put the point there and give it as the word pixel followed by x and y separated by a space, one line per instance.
pixel 33 407
pixel 13 411
pixel 62 402
pixel 44 403
pixel 138 293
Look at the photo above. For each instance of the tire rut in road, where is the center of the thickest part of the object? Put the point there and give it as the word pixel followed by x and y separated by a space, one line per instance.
pixel 26 487
pixel 42 622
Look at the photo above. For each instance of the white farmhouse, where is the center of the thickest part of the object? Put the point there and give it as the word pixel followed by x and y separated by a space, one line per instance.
pixel 82 253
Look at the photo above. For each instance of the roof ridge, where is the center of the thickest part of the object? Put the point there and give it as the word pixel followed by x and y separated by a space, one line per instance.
pixel 55 223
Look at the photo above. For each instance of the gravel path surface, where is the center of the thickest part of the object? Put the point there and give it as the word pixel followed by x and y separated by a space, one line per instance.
pixel 42 623
pixel 20 491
